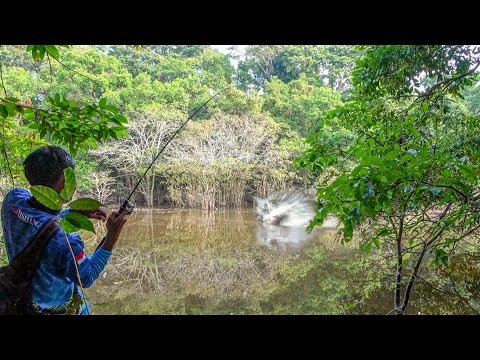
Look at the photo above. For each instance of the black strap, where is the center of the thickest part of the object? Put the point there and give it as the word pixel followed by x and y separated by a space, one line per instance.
pixel 27 261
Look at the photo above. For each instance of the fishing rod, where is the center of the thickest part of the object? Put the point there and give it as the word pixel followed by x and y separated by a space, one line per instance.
pixel 129 205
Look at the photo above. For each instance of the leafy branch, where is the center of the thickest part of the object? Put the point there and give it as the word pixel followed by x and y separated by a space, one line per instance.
pixel 73 221
pixel 69 123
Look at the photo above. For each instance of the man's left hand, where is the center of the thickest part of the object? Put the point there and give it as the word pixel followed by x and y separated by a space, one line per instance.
pixel 98 214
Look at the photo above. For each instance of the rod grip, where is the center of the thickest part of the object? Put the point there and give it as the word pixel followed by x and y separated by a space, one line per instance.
pixel 127 205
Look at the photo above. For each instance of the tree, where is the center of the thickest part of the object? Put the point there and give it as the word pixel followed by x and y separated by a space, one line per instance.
pixel 412 182
pixel 85 74
pixel 323 65
pixel 102 185
pixel 298 103
pixel 257 67
pixel 130 157
pixel 214 161
pixel 75 124
pixel 472 98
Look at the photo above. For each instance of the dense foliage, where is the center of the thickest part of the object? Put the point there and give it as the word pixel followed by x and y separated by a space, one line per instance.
pixel 410 177
pixel 392 134
pixel 81 97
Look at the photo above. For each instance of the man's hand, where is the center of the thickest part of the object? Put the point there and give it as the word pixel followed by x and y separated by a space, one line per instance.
pixel 115 224
pixel 98 214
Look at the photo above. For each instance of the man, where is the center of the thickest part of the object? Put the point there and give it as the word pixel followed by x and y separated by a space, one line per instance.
pixel 55 286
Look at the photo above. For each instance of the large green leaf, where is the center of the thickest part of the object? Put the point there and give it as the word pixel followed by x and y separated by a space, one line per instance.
pixel 68 226
pixel 38 52
pixel 80 221
pixel 3 111
pixel 85 204
pixel 53 51
pixel 47 196
pixel 70 184
pixel 10 109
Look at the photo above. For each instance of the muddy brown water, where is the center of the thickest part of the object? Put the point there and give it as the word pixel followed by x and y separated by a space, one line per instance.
pixel 227 262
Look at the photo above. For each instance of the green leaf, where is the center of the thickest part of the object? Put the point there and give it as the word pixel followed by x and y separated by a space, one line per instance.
pixel 102 103
pixel 47 197
pixel 465 169
pixel 70 184
pixel 383 232
pixel 80 221
pixel 33 48
pixel 68 226
pixel 122 133
pixel 85 204
pixel 53 51
pixel 10 109
pixel 29 114
pixel 112 108
pixel 347 229
pixel 121 118
pixel 3 111
pixel 446 172
pixel 368 247
pixel 38 52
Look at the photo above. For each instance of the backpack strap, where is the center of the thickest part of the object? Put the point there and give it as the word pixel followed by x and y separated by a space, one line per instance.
pixel 26 262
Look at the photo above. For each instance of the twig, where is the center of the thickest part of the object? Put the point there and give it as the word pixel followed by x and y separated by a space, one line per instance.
pixel 419 262
pixel 3 133
pixel 1 77
pixel 448 187
pixel 51 70
pixel 72 70
pixel 22 105
pixel 447 82
pixel 6 157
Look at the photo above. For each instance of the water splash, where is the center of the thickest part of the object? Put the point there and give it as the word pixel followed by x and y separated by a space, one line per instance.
pixel 288 208
pixel 285 208
pixel 284 217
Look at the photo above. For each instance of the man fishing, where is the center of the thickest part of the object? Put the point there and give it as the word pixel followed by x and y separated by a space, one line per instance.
pixel 55 286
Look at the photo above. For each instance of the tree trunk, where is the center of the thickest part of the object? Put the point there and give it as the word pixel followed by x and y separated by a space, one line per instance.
pixel 398 279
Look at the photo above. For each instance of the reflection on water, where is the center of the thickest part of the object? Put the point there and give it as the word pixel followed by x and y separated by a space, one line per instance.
pixel 226 226
pixel 289 239
pixel 197 262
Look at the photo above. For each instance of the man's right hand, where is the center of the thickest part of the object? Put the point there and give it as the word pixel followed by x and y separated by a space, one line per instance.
pixel 115 224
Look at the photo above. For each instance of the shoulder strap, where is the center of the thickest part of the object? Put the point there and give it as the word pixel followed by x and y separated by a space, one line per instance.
pixel 26 262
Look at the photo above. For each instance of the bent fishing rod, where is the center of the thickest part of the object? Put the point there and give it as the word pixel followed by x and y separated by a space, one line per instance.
pixel 129 205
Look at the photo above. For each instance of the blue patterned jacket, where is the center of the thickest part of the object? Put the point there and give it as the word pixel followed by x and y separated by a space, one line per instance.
pixel 56 278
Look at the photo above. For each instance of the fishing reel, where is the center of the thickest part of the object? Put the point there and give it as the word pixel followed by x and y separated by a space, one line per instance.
pixel 127 205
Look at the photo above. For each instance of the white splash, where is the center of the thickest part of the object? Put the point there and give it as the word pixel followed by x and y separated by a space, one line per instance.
pixel 285 208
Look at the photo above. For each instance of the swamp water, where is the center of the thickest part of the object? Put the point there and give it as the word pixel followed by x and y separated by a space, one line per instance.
pixel 228 262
